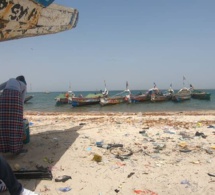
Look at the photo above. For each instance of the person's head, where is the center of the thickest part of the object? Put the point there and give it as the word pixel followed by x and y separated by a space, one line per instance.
pixel 21 78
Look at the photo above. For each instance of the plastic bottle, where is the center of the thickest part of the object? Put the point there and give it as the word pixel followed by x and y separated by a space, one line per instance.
pixel 65 189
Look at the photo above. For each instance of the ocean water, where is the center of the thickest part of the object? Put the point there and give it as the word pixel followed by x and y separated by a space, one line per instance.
pixel 42 102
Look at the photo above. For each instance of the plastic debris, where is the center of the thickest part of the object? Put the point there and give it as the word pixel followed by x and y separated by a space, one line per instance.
pixel 149 192
pixel 63 178
pixel 97 158
pixel 81 124
pixel 65 189
pixel 132 173
pixel 200 134
pixel 142 132
pixel 209 151
pixel 116 190
pixel 17 167
pixel 185 151
pixel 89 149
pixel 199 124
pixel 212 175
pixel 185 182
pixel 211 126
pixel 99 144
pixel 183 144
pixel 168 131
pixel 108 146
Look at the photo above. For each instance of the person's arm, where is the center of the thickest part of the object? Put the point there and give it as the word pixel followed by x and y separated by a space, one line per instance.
pixel 3 85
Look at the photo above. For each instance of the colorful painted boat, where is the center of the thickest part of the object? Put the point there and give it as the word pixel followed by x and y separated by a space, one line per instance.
pixel 160 97
pixel 76 101
pixel 122 97
pixel 90 99
pixel 201 95
pixel 113 100
pixel 182 95
pixel 44 3
pixel 63 98
pixel 139 98
pixel 26 18
pixel 153 94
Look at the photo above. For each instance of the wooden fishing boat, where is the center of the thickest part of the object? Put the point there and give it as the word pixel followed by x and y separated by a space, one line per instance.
pixel 29 18
pixel 44 3
pixel 113 100
pixel 143 97
pixel 123 97
pixel 201 95
pixel 159 96
pixel 139 98
pixel 182 95
pixel 118 98
pixel 90 99
pixel 28 98
pixel 63 98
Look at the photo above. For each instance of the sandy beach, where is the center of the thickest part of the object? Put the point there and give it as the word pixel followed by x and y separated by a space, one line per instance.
pixel 163 153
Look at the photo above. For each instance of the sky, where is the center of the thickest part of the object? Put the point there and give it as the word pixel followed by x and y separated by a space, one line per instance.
pixel 139 41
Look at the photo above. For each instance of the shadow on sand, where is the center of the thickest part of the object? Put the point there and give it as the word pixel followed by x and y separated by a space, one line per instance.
pixel 45 150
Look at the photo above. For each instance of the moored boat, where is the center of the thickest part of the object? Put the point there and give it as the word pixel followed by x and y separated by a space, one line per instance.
pixel 201 95
pixel 122 97
pixel 139 98
pixel 143 97
pixel 28 98
pixel 159 96
pixel 90 99
pixel 63 98
pixel 182 95
pixel 112 100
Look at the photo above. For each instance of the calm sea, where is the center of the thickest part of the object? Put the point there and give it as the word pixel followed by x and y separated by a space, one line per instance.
pixel 46 102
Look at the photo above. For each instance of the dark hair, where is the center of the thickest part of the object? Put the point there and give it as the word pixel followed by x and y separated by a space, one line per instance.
pixel 21 78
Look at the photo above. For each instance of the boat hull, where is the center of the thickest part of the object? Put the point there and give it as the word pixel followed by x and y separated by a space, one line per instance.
pixel 160 98
pixel 139 98
pixel 44 3
pixel 112 101
pixel 28 98
pixel 61 101
pixel 201 97
pixel 63 98
pixel 76 102
pixel 25 18
pixel 180 98
pixel 182 95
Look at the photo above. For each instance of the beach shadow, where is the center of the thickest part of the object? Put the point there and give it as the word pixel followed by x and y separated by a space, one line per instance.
pixel 44 150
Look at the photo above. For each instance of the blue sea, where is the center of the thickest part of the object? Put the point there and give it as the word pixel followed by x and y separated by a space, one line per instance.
pixel 45 102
